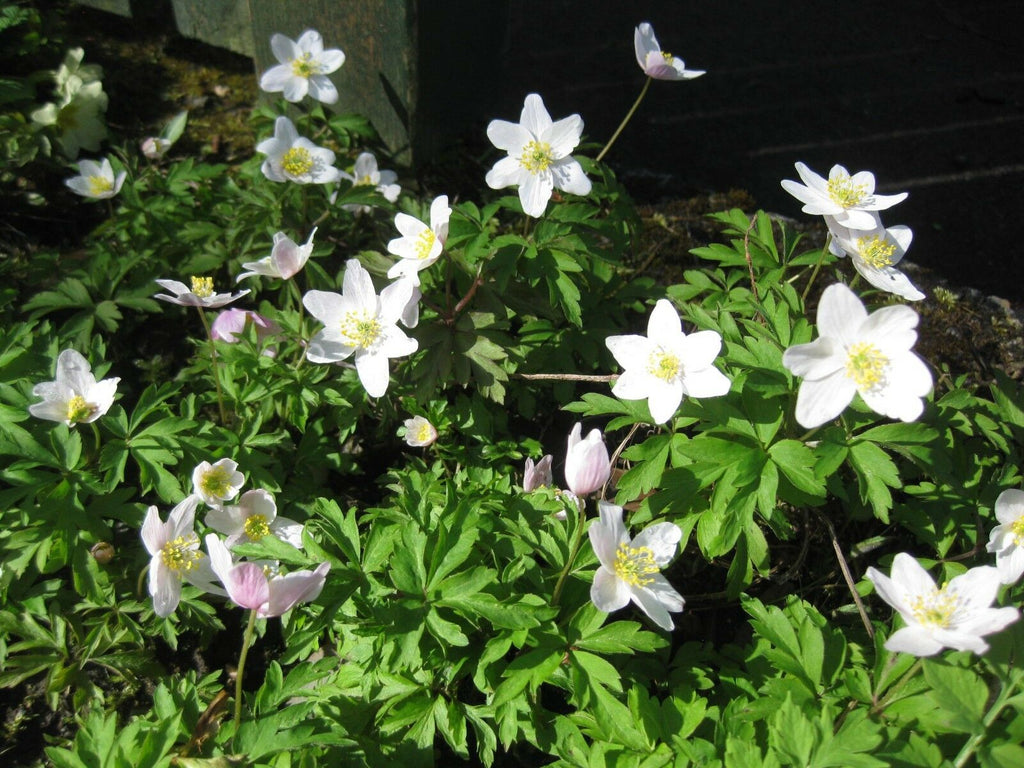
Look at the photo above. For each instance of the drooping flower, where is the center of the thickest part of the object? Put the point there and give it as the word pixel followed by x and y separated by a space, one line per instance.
pixel 956 615
pixel 656 63
pixel 304 68
pixel 1007 538
pixel 174 547
pixel 254 517
pixel 358 322
pixel 420 245
pixel 286 258
pixel 667 364
pixel 631 568
pixel 74 396
pixel 366 174
pixel 419 433
pixel 875 253
pixel 201 294
pixel 291 157
pixel 96 180
pixel 850 200
pixel 859 353
pixel 537 475
pixel 539 156
pixel 218 482
pixel 587 466
pixel 249 586
pixel 154 147
pixel 231 322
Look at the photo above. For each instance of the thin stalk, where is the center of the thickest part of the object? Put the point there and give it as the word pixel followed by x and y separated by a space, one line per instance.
pixel 138 584
pixel 1007 689
pixel 891 693
pixel 246 642
pixel 581 506
pixel 847 576
pixel 566 377
pixel 626 119
pixel 817 267
pixel 216 367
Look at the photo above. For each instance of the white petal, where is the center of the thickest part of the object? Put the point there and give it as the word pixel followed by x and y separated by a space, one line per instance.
pixel 909 575
pixel 1010 506
pixel 535 117
pixel 330 60
pixel 656 599
pixel 373 373
pixel 534 193
pixel 891 329
pixel 914 640
pixel 322 89
pixel 564 135
pixel 664 326
pixel 699 350
pixel 327 348
pixel 358 287
pixel 153 535
pixel 644 42
pixel 901 399
pixel 815 360
pixel 284 49
pixel 608 592
pixel 709 382
pixel 510 137
pixel 507 172
pixel 325 306
pixel 164 588
pixel 633 384
pixel 276 78
pixel 888 279
pixel 840 314
pixel 662 539
pixel 663 398
pixel 568 176
pixel 630 351
pixel 822 400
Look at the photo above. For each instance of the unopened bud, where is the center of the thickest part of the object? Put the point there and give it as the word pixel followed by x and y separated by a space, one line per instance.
pixel 103 552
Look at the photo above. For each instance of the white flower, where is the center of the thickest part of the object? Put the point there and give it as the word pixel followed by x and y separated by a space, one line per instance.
pixel 1007 538
pixel 154 147
pixel 539 158
pixel 304 68
pixel 420 245
pixel 419 432
pixel 366 174
pixel 254 517
pixel 78 114
pixel 359 322
pixel 96 180
pixel 955 616
pixel 201 294
pixel 218 482
pixel 850 200
pixel 587 466
pixel 667 364
pixel 291 157
pixel 631 569
pixel 656 63
pixel 286 259
pixel 856 352
pixel 874 254
pixel 74 396
pixel 174 548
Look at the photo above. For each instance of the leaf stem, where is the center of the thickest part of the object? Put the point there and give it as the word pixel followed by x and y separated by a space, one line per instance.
pixel 1006 690
pixel 581 521
pixel 246 642
pixel 817 267
pixel 626 119
pixel 216 367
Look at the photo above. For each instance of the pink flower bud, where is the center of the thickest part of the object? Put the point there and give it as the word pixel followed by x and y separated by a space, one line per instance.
pixel 537 475
pixel 587 466
pixel 231 322
pixel 155 147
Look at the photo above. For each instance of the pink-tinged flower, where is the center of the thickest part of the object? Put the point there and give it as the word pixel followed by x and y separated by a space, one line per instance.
pixel 587 466
pixel 248 585
pixel 96 180
pixel 304 68
pixel 1007 538
pixel 74 396
pixel 419 433
pixel 254 517
pixel 656 63
pixel 850 200
pixel 366 174
pixel 420 245
pixel 631 568
pixel 291 157
pixel 231 322
pixel 539 156
pixel 286 259
pixel 953 616
pixel 174 547
pixel 537 475
pixel 200 294
pixel 218 482
pixel 154 147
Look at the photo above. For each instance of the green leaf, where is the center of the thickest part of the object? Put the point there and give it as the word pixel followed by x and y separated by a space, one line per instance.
pixel 958 692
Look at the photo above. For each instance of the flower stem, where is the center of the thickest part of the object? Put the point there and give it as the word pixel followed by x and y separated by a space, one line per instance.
pixel 581 507
pixel 1005 692
pixel 216 371
pixel 626 119
pixel 817 266
pixel 246 642
pixel 891 693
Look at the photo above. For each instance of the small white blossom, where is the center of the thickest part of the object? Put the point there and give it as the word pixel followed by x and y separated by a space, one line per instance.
pixel 218 482
pixel 1007 538
pixel 291 157
pixel 96 180
pixel 859 353
pixel 74 396
pixel 366 174
pixel 953 616
pixel 358 322
pixel 78 111
pixel 254 517
pixel 420 245
pixel 175 556
pixel 419 433
pixel 539 156
pixel 656 63
pixel 850 200
pixel 286 259
pixel 875 253
pixel 154 147
pixel 667 364
pixel 201 294
pixel 304 68
pixel 631 568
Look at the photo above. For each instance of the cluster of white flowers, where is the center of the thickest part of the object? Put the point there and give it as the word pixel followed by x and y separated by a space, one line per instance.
pixel 78 111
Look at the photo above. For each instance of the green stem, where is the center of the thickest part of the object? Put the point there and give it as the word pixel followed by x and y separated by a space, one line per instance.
pixel 1006 690
pixel 626 119
pixel 907 676
pixel 246 642
pixel 138 584
pixel 581 507
pixel 817 266
pixel 216 367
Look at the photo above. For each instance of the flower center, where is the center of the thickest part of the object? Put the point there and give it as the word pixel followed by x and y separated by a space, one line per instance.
pixel 202 287
pixel 876 251
pixel 634 565
pixel 866 366
pixel 304 66
pixel 216 483
pixel 297 161
pixel 664 365
pixel 364 181
pixel 1017 529
pixel 180 554
pixel 668 57
pixel 67 118
pixel 935 608
pixel 79 409
pixel 361 329
pixel 845 193
pixel 536 156
pixel 423 432
pixel 99 185
pixel 425 243
pixel 256 527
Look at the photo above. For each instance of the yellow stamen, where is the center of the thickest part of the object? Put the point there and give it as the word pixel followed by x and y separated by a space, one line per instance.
pixel 424 243
pixel 876 251
pixel 364 181
pixel 216 483
pixel 425 432
pixel 1017 529
pixel 668 57
pixel 664 365
pixel 866 365
pixel 202 287
pixel 844 192
pixel 181 554
pixel 360 328
pixel 304 66
pixel 297 161
pixel 99 185
pixel 79 409
pixel 936 608
pixel 256 527
pixel 536 156
pixel 635 564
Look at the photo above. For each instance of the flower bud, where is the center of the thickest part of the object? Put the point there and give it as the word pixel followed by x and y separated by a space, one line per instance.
pixel 587 466
pixel 231 322
pixel 419 433
pixel 536 476
pixel 155 147
pixel 103 552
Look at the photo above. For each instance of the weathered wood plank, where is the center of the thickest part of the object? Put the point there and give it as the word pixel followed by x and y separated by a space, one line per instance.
pixel 224 23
